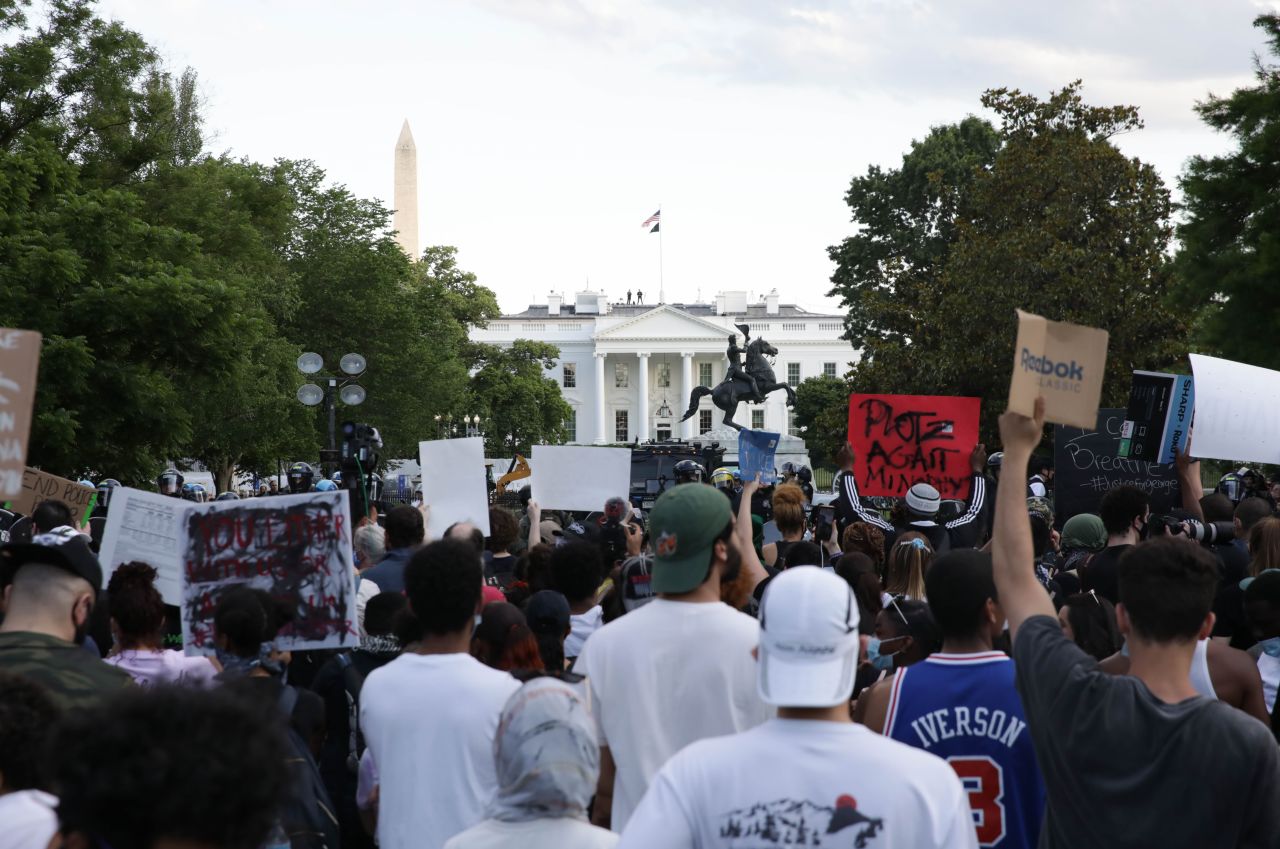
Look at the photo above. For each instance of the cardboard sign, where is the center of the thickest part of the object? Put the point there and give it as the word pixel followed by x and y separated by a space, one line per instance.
pixel 38 486
pixel 296 547
pixel 145 526
pixel 19 362
pixel 454 484
pixel 1158 418
pixel 900 440
pixel 1064 363
pixel 1236 411
pixel 1087 464
pixel 579 477
pixel 756 450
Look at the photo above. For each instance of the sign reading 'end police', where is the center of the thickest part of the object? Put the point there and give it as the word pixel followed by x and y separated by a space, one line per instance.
pixel 1064 363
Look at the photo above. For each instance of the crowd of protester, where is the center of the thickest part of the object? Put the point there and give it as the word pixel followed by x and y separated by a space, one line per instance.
pixel 915 677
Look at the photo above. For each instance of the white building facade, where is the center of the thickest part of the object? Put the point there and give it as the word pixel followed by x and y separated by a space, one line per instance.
pixel 627 370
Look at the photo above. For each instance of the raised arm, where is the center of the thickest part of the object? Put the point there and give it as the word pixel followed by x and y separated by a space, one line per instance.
pixel 534 512
pixel 1013 556
pixel 1189 482
pixel 977 491
pixel 746 548
pixel 848 504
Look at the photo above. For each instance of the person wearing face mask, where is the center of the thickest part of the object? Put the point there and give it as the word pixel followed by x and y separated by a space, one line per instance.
pixel 56 579
pixel 1125 513
pixel 905 634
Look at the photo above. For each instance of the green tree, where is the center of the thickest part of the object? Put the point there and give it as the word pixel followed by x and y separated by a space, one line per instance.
pixel 520 405
pixel 906 221
pixel 822 414
pixel 1230 257
pixel 1062 224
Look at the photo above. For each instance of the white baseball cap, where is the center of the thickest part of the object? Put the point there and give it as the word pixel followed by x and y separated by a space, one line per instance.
pixel 808 639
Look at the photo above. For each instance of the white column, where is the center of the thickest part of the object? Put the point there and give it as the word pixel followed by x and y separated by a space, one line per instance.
pixel 600 432
pixel 686 384
pixel 642 426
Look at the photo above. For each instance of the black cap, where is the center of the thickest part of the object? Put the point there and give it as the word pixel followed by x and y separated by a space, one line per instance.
pixel 62 547
pixel 547 612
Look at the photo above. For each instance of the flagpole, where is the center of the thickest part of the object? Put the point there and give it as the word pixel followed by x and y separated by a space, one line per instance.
pixel 662 292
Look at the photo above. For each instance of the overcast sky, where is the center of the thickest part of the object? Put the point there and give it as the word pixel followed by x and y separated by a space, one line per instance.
pixel 548 130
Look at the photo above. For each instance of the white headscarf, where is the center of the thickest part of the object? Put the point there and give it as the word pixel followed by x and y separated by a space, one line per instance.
pixel 546 754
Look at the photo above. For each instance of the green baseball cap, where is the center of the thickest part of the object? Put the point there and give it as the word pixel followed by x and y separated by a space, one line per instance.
pixel 683 525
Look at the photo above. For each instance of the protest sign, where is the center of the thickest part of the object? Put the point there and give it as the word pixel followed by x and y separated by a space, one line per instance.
pixel 454 483
pixel 295 547
pixel 899 440
pixel 1236 411
pixel 756 449
pixel 147 527
pixel 579 477
pixel 38 486
pixel 1062 362
pixel 1087 464
pixel 1158 417
pixel 19 361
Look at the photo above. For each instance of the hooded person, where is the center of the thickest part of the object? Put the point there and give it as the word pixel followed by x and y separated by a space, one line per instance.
pixel 1083 536
pixel 547 763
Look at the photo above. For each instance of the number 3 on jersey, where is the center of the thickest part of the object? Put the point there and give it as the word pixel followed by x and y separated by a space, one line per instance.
pixel 983 780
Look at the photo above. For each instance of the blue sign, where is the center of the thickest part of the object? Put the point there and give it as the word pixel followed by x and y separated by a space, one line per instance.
pixel 756 450
pixel 402 483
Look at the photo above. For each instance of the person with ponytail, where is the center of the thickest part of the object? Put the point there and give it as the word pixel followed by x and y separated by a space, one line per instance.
pixel 137 620
pixel 503 640
pixel 788 515
pixel 909 559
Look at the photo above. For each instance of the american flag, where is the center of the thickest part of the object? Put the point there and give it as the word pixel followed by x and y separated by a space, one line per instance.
pixel 652 219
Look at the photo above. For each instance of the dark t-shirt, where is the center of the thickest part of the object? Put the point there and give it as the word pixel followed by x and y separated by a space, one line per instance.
pixel 1102 575
pixel 1124 769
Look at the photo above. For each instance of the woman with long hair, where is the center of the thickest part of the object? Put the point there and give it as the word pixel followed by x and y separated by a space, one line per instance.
pixel 1089 621
pixel 137 621
pixel 909 559
pixel 788 515
pixel 503 639
pixel 1264 546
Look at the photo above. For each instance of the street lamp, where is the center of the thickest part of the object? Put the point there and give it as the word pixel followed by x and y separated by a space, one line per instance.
pixel 329 389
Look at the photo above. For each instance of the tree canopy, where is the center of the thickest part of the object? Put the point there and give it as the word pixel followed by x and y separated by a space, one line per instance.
pixel 175 289
pixel 1230 236
pixel 1046 215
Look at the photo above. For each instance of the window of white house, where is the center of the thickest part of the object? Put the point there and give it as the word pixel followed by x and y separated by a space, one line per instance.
pixel 829 369
pixel 570 375
pixel 664 375
pixel 704 374
pixel 793 374
pixel 571 426
pixel 620 375
pixel 620 426
pixel 704 421
pixel 757 419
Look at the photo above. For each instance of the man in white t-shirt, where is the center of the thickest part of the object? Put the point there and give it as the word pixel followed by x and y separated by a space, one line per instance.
pixel 810 777
pixel 430 715
pixel 678 669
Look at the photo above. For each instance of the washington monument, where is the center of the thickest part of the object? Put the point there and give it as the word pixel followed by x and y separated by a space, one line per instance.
pixel 406 193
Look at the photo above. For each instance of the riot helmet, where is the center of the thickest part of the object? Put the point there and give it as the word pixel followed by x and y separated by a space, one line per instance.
pixel 170 482
pixel 300 476
pixel 689 471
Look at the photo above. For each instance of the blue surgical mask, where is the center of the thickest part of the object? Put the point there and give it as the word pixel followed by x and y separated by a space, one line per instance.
pixel 878 660
pixel 1271 646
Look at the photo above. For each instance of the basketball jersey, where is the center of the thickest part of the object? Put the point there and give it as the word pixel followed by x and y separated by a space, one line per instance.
pixel 964 709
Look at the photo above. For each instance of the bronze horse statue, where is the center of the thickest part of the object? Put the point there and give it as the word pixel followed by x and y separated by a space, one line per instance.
pixel 733 390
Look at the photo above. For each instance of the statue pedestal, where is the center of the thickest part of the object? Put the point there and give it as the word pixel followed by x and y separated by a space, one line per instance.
pixel 790 448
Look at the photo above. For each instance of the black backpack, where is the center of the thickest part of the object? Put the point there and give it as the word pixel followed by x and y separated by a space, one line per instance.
pixel 352 681
pixel 308 816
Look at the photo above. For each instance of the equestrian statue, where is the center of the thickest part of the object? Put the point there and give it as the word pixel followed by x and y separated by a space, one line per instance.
pixel 751 382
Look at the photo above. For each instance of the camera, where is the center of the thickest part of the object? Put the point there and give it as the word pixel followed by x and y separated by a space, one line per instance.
pixel 1209 534
pixel 359 458
pixel 822 519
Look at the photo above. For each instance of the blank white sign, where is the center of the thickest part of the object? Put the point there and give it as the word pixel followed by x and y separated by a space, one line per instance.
pixel 579 477
pixel 1235 411
pixel 454 485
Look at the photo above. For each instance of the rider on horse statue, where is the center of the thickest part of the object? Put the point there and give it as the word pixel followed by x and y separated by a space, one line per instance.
pixel 735 362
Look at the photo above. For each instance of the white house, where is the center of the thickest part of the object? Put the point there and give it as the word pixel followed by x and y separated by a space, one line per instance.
pixel 627 370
